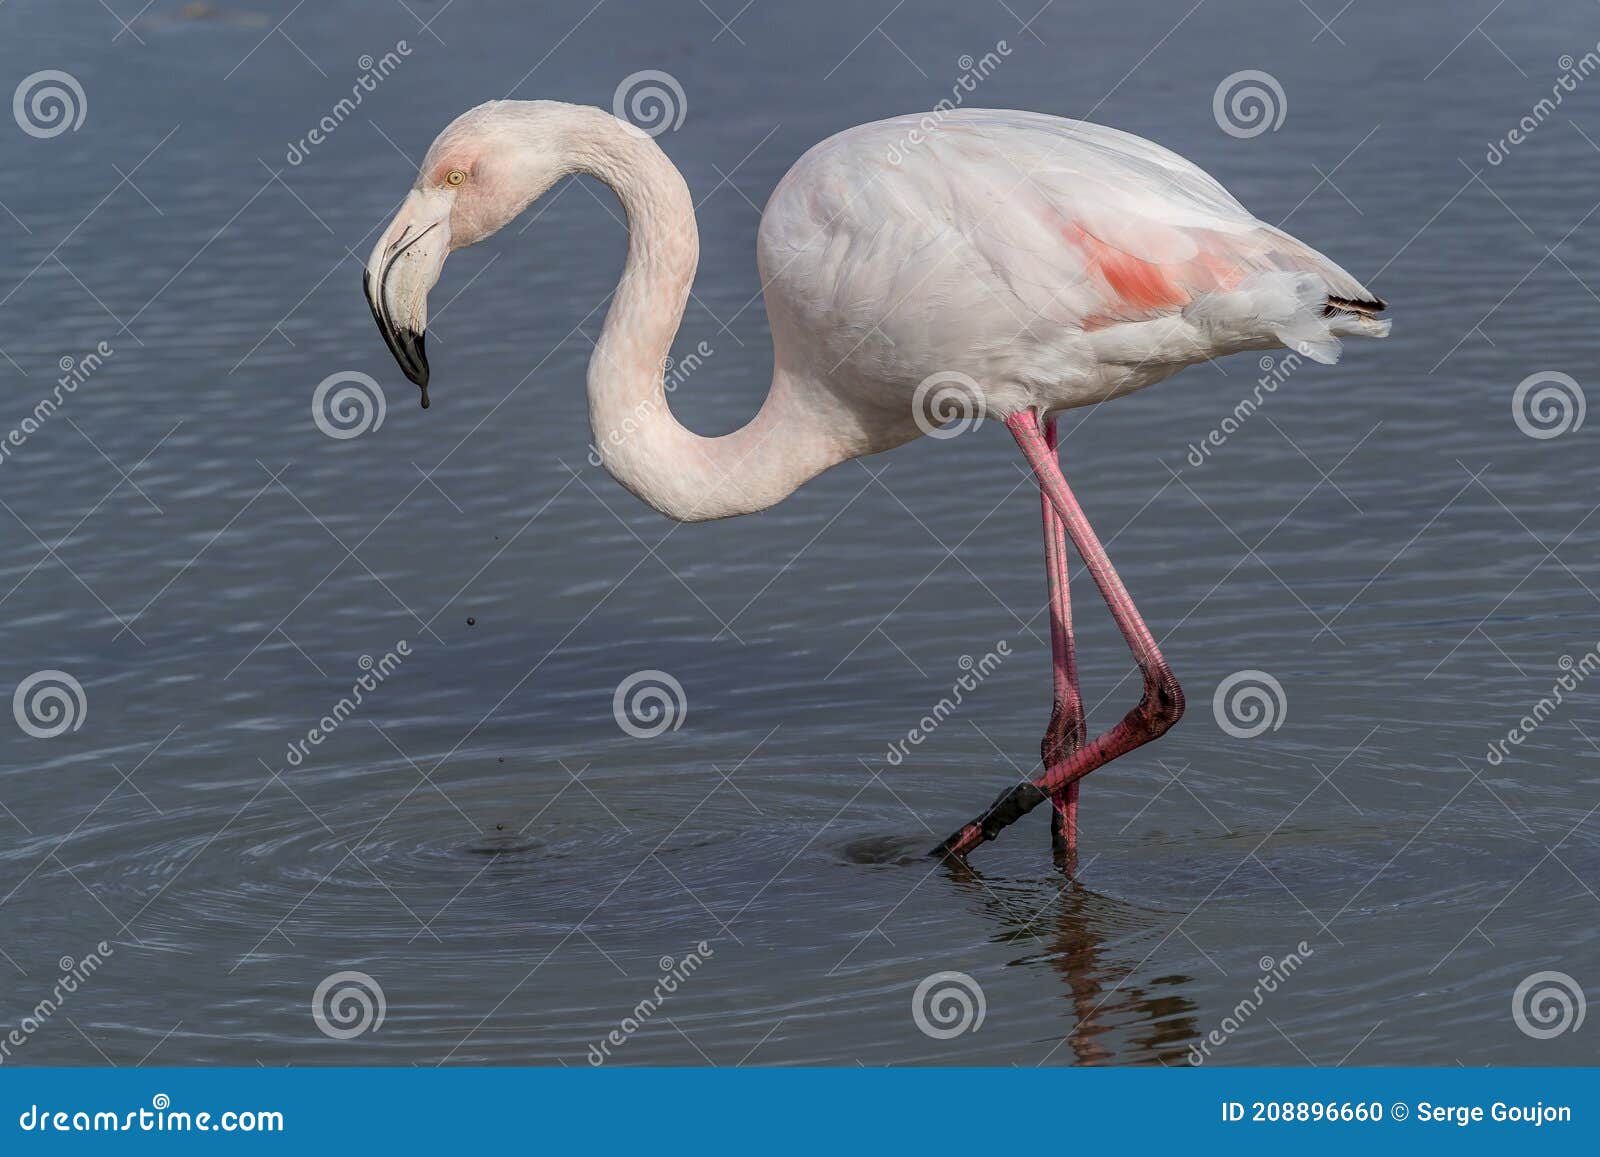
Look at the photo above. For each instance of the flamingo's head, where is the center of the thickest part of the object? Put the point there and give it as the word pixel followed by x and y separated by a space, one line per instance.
pixel 483 170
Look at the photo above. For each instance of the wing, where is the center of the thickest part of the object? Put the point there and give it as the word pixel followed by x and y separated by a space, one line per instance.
pixel 1062 223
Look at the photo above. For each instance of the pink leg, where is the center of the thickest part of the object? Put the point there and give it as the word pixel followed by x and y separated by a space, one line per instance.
pixel 1066 732
pixel 1159 707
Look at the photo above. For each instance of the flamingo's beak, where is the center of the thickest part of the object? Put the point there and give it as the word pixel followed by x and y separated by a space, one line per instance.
pixel 404 266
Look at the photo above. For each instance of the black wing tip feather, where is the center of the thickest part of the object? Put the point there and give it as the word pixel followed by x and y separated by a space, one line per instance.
pixel 1366 307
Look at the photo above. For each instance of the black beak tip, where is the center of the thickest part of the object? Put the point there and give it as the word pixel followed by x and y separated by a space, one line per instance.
pixel 411 350
pixel 408 346
pixel 414 357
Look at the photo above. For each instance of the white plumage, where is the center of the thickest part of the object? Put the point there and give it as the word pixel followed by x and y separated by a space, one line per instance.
pixel 1042 263
pixel 1053 263
pixel 1031 253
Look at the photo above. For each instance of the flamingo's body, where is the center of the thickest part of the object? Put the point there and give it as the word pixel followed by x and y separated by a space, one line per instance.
pixel 1043 264
pixel 1057 263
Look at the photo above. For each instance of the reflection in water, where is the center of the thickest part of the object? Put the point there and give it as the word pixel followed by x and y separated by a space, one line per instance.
pixel 1090 938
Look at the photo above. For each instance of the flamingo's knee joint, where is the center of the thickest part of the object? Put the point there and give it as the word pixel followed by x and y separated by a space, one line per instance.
pixel 1162 705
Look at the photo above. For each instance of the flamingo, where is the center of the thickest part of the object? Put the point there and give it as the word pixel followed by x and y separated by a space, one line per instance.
pixel 1029 263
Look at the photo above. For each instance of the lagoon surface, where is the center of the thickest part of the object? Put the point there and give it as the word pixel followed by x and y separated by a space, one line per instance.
pixel 518 875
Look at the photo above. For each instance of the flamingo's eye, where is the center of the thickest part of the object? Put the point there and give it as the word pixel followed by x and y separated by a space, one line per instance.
pixel 454 177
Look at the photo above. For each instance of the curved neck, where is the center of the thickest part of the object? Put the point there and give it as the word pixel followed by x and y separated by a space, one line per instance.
pixel 678 472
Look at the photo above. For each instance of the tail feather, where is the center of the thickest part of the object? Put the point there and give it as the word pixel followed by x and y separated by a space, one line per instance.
pixel 1301 298
pixel 1294 309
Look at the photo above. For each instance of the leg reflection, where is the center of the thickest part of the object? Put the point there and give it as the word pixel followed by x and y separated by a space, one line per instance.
pixel 1120 1013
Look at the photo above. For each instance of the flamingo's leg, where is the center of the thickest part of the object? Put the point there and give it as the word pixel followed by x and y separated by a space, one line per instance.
pixel 1158 708
pixel 1066 732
